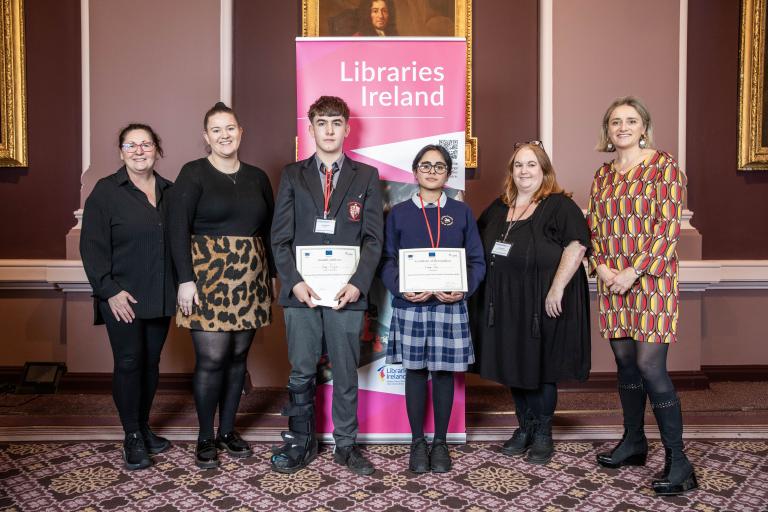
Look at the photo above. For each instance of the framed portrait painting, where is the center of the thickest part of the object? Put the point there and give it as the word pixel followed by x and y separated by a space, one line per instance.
pixel 389 18
pixel 753 114
pixel 13 104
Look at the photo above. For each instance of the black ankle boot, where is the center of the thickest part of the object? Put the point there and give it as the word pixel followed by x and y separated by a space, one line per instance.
pixel 206 455
pixel 522 437
pixel 543 448
pixel 632 450
pixel 154 443
pixel 678 476
pixel 135 452
pixel 300 447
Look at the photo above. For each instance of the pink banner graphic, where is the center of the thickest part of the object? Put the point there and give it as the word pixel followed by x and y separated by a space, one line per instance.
pixel 403 93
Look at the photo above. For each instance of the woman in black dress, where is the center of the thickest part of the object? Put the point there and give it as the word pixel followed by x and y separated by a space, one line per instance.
pixel 530 318
pixel 220 220
pixel 122 243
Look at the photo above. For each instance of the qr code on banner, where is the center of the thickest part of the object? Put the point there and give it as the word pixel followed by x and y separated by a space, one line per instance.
pixel 452 145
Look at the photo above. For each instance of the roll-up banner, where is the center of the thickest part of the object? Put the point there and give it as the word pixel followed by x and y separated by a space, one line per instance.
pixel 403 93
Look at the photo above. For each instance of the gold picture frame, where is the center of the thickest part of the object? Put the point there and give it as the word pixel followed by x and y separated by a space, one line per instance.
pixel 462 27
pixel 753 116
pixel 13 90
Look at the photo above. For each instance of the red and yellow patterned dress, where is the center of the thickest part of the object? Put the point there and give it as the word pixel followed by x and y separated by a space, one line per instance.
pixel 634 220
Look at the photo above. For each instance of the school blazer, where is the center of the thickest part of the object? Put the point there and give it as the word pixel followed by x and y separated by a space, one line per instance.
pixel 355 204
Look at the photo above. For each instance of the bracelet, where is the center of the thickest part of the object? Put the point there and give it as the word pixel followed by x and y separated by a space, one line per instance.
pixel 638 273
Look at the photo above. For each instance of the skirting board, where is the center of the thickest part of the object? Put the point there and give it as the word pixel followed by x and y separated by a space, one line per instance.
pixel 598 381
pixel 480 434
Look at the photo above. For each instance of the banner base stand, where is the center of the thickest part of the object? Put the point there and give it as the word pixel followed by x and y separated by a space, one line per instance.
pixel 397 438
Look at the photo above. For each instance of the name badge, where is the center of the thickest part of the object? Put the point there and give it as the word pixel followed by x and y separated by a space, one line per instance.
pixel 501 248
pixel 325 226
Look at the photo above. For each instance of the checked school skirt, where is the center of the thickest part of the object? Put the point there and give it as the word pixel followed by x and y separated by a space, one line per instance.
pixel 435 337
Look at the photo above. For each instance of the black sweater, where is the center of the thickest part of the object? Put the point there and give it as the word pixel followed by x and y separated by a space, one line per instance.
pixel 206 201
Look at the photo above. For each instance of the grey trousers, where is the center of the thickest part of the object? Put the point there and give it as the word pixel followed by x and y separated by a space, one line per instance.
pixel 305 329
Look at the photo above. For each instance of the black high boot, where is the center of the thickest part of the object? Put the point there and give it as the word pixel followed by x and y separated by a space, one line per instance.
pixel 543 447
pixel 522 437
pixel 678 476
pixel 300 447
pixel 632 450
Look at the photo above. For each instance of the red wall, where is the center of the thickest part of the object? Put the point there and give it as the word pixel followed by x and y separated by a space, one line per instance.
pixel 730 207
pixel 37 203
pixel 505 42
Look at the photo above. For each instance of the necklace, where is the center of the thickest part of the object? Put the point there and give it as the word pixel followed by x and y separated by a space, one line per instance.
pixel 231 176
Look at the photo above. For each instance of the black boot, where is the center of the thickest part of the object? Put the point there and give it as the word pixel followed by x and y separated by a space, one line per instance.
pixel 135 452
pixel 678 476
pixel 154 443
pixel 522 437
pixel 632 450
pixel 543 447
pixel 300 447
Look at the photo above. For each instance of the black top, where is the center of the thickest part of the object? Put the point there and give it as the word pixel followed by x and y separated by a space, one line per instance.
pixel 123 245
pixel 206 201
pixel 516 343
pixel 355 204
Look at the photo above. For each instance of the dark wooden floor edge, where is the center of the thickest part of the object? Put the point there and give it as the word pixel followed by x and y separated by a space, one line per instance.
pixel 598 381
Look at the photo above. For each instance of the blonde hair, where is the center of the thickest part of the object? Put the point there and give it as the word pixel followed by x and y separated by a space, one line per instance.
pixel 642 110
pixel 549 184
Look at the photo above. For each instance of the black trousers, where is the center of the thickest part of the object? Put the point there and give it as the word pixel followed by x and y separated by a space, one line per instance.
pixel 136 349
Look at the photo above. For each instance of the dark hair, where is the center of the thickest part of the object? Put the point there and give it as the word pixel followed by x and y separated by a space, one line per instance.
pixel 328 106
pixel 364 18
pixel 218 108
pixel 140 126
pixel 433 147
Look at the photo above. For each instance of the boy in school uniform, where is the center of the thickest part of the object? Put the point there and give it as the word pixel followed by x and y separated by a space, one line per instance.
pixel 327 199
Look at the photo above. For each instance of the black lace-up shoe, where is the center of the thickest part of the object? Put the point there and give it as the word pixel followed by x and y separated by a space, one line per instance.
pixel 135 452
pixel 353 458
pixel 440 457
pixel 154 443
pixel 419 460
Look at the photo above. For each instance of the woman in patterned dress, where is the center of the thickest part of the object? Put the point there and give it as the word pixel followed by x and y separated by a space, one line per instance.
pixel 634 214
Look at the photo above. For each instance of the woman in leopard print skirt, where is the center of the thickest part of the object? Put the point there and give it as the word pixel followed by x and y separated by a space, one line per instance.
pixel 219 225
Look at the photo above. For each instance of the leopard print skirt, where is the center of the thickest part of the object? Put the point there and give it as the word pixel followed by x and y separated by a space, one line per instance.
pixel 232 280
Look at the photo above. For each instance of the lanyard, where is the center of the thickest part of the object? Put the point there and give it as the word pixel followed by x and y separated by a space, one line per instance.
pixel 513 222
pixel 327 191
pixel 426 220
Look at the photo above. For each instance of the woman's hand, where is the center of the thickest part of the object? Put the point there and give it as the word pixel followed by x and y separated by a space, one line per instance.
pixel 623 281
pixel 553 302
pixel 606 275
pixel 417 297
pixel 449 297
pixel 120 304
pixel 186 296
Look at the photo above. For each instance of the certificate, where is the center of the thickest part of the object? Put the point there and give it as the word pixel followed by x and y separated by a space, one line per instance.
pixel 326 269
pixel 433 270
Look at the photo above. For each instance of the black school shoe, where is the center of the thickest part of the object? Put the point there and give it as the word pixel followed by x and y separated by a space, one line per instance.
pixel 235 445
pixel 353 458
pixel 154 443
pixel 439 457
pixel 135 452
pixel 206 455
pixel 419 459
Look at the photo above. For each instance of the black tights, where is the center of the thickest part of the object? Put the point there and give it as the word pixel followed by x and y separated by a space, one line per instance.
pixel 416 400
pixel 541 401
pixel 136 349
pixel 220 360
pixel 638 361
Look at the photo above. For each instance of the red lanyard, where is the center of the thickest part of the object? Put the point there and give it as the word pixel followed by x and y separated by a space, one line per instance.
pixel 327 191
pixel 429 229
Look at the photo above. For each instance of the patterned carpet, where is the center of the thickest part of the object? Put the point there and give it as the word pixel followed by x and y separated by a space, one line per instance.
pixel 88 477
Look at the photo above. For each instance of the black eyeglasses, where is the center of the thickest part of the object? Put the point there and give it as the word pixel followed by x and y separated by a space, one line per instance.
pixel 529 143
pixel 131 147
pixel 437 168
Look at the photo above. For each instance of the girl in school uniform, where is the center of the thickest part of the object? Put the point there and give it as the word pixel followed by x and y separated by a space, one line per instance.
pixel 429 333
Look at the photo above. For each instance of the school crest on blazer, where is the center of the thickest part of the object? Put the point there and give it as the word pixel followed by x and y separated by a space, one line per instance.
pixel 354 209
